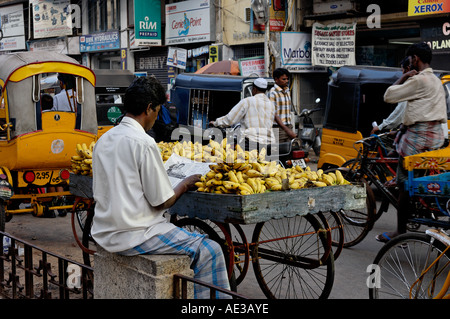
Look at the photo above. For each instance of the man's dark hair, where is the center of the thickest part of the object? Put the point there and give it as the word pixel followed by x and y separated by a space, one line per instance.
pixel 280 72
pixel 68 80
pixel 422 50
pixel 46 101
pixel 142 92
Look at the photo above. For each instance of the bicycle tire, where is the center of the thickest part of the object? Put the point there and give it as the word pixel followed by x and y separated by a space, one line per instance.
pixel 400 262
pixel 282 272
pixel 357 223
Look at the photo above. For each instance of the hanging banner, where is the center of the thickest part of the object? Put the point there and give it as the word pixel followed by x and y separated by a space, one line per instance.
pixel 100 41
pixel 51 18
pixel 296 52
pixel 190 21
pixel 177 57
pixel 147 22
pixel 423 7
pixel 333 44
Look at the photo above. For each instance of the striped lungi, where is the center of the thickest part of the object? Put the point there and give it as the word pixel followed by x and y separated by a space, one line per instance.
pixel 207 259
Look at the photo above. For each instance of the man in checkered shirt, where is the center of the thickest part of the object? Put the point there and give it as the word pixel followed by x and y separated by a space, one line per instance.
pixel 281 98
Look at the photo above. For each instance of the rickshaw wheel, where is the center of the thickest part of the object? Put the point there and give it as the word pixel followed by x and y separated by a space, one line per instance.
pixel 288 258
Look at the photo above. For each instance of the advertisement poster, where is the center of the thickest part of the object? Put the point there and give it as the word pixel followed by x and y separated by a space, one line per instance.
pixel 177 57
pixel 296 52
pixel 11 21
pixel 12 43
pixel 421 7
pixel 277 21
pixel 333 44
pixel 147 22
pixel 100 41
pixel 189 22
pixel 51 18
pixel 252 66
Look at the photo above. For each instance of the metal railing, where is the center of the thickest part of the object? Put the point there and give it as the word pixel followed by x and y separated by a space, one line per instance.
pixel 30 272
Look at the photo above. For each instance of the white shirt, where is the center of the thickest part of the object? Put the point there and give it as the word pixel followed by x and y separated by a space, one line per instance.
pixel 129 181
pixel 425 96
pixel 395 118
pixel 61 103
pixel 256 115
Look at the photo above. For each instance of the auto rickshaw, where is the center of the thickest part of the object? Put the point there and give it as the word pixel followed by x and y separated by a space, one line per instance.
pixel 355 100
pixel 36 145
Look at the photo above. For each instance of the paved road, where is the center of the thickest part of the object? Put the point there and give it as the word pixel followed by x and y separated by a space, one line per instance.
pixel 55 235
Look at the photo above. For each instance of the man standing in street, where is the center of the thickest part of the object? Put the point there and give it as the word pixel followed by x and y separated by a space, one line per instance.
pixel 255 114
pixel 424 114
pixel 281 98
pixel 132 191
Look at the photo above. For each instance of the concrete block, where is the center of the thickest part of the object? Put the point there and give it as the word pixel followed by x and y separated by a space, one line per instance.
pixel 138 277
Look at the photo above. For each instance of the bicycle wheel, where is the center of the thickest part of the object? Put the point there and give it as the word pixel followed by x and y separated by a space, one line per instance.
pixel 357 223
pixel 400 263
pixel 333 221
pixel 291 258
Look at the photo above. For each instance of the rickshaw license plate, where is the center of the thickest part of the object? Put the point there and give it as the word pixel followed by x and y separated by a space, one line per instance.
pixel 40 178
pixel 299 162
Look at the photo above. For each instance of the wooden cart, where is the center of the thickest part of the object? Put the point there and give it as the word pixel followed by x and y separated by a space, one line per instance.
pixel 290 250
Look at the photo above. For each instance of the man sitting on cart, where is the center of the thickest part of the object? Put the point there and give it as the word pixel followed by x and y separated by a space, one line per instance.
pixel 424 114
pixel 132 191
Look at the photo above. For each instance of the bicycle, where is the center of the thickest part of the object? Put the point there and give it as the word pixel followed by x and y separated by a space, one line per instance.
pixel 413 266
pixel 373 167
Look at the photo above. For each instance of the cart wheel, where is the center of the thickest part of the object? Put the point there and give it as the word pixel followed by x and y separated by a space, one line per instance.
pixel 357 223
pixel 194 224
pixel 332 221
pixel 87 241
pixel 288 258
pixel 402 260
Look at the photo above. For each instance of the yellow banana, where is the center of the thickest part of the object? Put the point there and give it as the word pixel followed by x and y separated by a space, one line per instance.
pixel 213 182
pixel 218 176
pixel 239 177
pixel 230 185
pixel 252 183
pixel 232 177
pixel 319 184
pixel 79 150
pixel 245 187
pixel 276 187
pixel 339 178
pixel 200 184
pixel 253 173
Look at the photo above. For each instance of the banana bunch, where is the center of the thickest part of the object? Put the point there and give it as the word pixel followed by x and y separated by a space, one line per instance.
pixel 213 152
pixel 82 162
pixel 167 149
pixel 237 178
pixel 259 177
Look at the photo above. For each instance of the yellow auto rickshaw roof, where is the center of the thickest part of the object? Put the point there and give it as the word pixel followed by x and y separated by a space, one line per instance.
pixel 20 65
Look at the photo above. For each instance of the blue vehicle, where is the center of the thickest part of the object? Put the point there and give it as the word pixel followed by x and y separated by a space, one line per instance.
pixel 201 98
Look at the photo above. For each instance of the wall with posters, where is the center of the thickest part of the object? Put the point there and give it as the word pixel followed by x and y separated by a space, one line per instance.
pixel 51 18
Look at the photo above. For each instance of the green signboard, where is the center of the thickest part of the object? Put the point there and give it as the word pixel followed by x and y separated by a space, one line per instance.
pixel 147 22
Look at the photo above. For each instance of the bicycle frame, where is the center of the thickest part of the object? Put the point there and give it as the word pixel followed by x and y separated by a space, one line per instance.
pixel 371 164
pixel 435 235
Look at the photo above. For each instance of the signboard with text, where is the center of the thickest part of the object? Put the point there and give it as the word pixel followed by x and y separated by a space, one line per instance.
pixel 296 52
pixel 189 22
pixel 423 7
pixel 100 41
pixel 333 44
pixel 252 66
pixel 147 22
pixel 51 18
pixel 177 57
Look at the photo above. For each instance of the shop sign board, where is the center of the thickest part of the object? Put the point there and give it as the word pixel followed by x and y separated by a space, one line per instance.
pixel 147 22
pixel 437 34
pixel 51 18
pixel 425 7
pixel 190 22
pixel 296 52
pixel 254 66
pixel 102 41
pixel 333 44
pixel 11 21
pixel 13 43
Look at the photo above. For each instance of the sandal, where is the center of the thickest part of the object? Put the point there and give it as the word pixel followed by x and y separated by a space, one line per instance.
pixel 383 238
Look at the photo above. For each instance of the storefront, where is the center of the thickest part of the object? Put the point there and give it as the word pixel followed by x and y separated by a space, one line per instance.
pixel 152 62
pixel 101 50
pixel 436 33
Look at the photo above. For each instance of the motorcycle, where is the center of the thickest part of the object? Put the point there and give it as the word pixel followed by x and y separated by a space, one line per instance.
pixel 309 134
